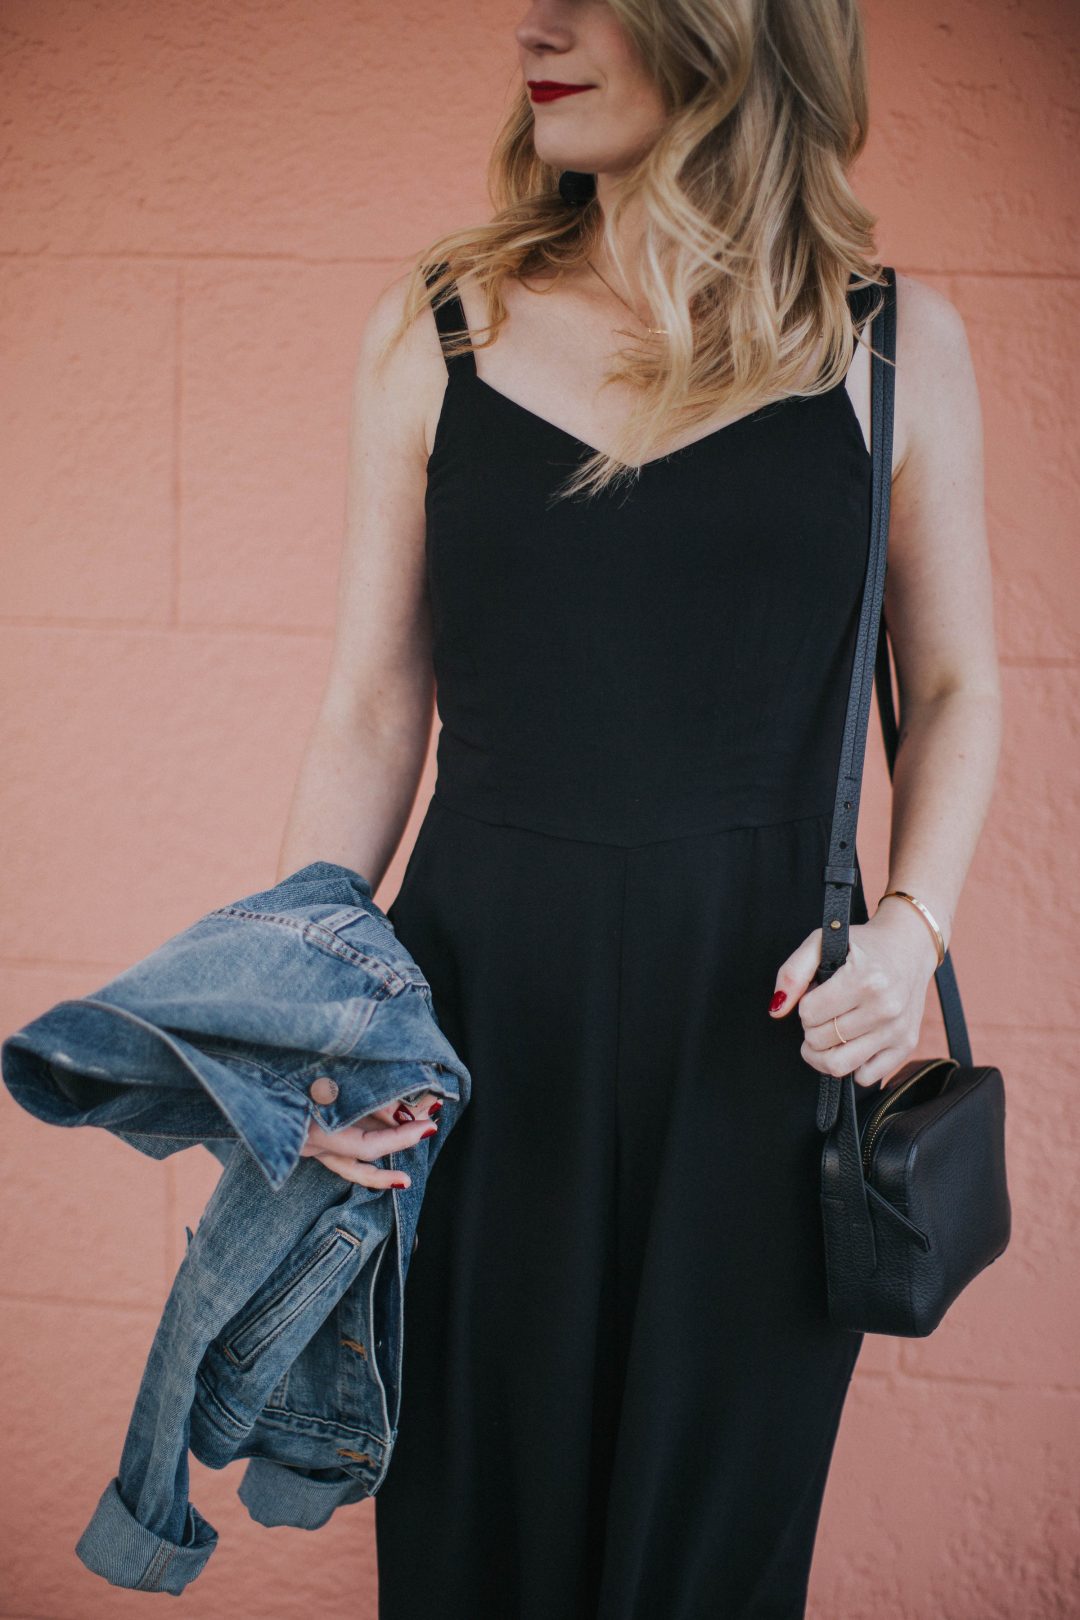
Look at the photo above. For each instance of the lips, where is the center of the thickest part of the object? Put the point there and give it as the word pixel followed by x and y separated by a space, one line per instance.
pixel 551 89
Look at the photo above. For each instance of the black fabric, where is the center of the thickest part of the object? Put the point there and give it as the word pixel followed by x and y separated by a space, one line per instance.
pixel 621 1390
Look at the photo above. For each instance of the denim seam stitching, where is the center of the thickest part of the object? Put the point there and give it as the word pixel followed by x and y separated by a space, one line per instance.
pixel 157 1565
pixel 324 939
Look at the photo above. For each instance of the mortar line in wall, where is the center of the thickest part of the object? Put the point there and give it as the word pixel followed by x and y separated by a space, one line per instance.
pixel 177 444
pixel 158 626
pixel 67 1302
pixel 402 261
pixel 980 1381
pixel 69 965
pixel 14 621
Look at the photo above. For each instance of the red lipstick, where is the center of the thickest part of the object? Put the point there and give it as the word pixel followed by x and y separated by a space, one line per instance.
pixel 551 89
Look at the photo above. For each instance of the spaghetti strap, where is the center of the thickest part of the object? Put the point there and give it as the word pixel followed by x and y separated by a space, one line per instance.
pixel 860 301
pixel 450 320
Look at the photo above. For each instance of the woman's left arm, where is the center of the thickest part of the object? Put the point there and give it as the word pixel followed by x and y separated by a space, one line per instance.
pixel 939 607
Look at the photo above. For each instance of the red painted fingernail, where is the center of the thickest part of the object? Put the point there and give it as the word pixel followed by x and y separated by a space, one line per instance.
pixel 779 997
pixel 404 1115
pixel 434 1109
pixel 399 1184
pixel 434 1131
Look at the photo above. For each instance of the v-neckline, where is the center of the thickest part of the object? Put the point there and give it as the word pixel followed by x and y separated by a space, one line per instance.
pixel 464 365
pixel 694 444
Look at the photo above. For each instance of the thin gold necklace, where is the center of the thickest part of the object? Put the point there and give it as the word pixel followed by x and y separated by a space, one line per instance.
pixel 657 331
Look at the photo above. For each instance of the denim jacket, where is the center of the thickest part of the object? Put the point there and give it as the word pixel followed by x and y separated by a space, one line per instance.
pixel 281 1338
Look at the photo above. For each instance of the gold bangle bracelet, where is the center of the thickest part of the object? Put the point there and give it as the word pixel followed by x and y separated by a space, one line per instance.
pixel 926 916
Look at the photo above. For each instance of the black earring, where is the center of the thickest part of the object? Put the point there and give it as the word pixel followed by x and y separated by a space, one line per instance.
pixel 576 188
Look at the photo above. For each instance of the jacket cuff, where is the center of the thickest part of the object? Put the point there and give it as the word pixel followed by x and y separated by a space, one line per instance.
pixel 124 1552
pixel 274 1494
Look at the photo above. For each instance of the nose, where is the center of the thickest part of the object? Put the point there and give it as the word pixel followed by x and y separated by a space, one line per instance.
pixel 542 28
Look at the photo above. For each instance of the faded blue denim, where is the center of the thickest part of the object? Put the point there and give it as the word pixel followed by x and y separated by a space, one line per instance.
pixel 281 1338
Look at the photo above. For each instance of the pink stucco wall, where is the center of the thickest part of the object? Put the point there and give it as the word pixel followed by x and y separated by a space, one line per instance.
pixel 201 202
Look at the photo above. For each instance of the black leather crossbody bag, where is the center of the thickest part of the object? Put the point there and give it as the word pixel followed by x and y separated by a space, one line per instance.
pixel 914 1199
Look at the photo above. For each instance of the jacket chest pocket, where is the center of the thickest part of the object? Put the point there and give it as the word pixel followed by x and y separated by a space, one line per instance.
pixel 284 1298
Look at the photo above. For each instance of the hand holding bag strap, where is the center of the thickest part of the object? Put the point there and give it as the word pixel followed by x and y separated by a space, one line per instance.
pixel 840 872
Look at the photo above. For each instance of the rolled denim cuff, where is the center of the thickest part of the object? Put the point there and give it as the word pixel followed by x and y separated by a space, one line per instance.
pixel 275 1494
pixel 116 1546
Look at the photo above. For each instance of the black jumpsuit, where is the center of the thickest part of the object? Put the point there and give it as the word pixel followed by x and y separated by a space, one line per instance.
pixel 621 1388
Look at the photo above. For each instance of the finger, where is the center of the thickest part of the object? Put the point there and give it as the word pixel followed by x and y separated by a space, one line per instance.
pixel 399 1111
pixel 363 1175
pixel 883 1063
pixel 362 1141
pixel 795 974
pixel 883 1066
pixel 845 1057
pixel 842 989
pixel 854 1022
pixel 401 1107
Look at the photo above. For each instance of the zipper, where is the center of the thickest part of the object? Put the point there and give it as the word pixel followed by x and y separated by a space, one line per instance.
pixel 880 1117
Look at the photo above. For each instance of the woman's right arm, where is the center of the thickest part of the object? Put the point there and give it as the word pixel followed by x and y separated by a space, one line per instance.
pixel 367 747
pixel 365 754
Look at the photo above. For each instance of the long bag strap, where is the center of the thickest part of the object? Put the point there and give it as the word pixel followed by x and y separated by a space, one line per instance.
pixel 836 1094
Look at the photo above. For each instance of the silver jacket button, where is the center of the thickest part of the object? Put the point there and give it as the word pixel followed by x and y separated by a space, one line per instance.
pixel 323 1090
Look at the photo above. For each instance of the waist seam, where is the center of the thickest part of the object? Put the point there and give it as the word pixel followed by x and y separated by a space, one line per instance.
pixel 454 807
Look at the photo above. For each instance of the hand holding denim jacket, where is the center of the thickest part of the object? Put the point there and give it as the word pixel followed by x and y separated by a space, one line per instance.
pixel 281 1338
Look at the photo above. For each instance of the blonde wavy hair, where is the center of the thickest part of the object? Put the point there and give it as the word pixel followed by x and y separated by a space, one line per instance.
pixel 752 234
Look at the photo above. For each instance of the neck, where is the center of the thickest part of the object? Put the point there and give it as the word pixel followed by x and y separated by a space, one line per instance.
pixel 629 237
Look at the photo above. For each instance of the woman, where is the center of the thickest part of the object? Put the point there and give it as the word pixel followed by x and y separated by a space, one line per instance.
pixel 621 1389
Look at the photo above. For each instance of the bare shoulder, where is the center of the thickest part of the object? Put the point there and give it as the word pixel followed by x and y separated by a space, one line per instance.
pixel 927 312
pixel 398 387
pixel 936 390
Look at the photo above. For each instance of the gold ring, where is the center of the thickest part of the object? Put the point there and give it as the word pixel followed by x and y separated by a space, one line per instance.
pixel 841 1038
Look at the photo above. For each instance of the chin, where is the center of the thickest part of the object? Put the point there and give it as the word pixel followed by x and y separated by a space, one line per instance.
pixel 558 160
